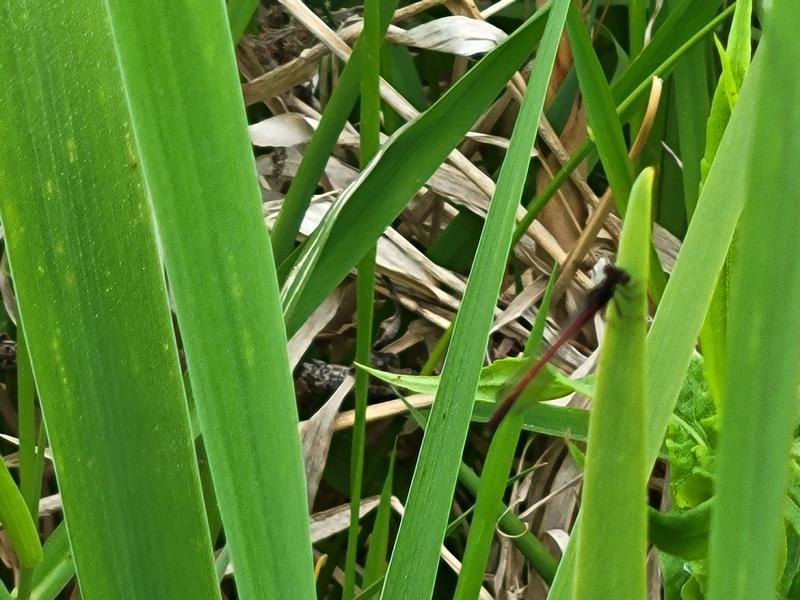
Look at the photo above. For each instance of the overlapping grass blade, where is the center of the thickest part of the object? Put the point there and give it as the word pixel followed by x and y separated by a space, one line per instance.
pixel 401 167
pixel 612 543
pixel 315 157
pixel 606 128
pixel 189 129
pixel 54 572
pixel 92 300
pixel 760 392
pixel 673 334
pixel 422 528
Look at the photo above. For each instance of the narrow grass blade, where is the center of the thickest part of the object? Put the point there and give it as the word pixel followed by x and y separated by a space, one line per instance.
pixel 92 300
pixel 713 335
pixel 412 569
pixel 528 544
pixel 378 547
pixel 537 331
pixel 490 494
pixel 52 575
pixel 318 150
pixel 760 393
pixel 22 529
pixel 600 111
pixel 17 521
pixel 606 129
pixel 369 136
pixel 612 543
pixel 403 164
pixel 187 114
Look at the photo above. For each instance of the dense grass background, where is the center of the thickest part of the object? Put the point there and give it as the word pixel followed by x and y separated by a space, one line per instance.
pixel 185 196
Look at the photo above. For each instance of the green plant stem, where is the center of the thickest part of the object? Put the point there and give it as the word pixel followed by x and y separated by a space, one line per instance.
pixel 365 281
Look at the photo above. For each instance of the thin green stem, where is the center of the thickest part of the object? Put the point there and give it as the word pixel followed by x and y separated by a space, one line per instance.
pixel 365 281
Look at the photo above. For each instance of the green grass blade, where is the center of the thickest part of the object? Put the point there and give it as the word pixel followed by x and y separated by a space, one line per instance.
pixel 92 300
pixel 403 164
pixel 537 330
pixel 673 334
pixel 528 544
pixel 240 13
pixel 601 111
pixel 680 32
pixel 378 549
pixel 713 335
pixel 422 528
pixel 369 135
pixel 493 482
pixel 318 150
pixel 606 128
pixel 682 23
pixel 760 393
pixel 52 575
pixel 17 521
pixel 612 544
pixel 486 514
pixel 22 529
pixel 187 113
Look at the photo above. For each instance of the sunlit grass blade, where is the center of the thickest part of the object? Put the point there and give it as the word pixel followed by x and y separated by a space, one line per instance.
pixel 222 278
pixel 428 504
pixel 760 393
pixel 401 167
pixel 612 543
pixel 92 300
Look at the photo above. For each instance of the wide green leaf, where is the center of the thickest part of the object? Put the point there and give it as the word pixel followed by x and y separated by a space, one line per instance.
pixel 91 294
pixel 187 116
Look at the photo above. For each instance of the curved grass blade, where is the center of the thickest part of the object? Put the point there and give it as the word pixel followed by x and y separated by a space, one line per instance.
pixel 400 168
pixel 92 300
pixel 187 113
pixel 412 569
pixel 613 506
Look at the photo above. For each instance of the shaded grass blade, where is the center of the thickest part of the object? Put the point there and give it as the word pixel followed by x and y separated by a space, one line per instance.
pixel 369 136
pixel 187 115
pixel 94 307
pixel 412 569
pixel 606 128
